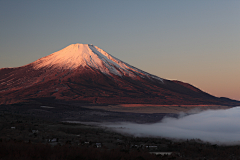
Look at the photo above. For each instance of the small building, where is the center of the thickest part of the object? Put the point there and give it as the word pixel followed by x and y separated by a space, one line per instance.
pixel 161 153
pixel 98 145
pixel 151 147
pixel 52 140
pixel 87 143
pixel 34 131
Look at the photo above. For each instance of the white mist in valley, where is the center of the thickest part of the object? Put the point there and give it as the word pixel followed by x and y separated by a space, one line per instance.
pixel 214 126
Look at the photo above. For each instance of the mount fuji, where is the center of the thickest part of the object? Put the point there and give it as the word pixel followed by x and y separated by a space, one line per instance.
pixel 84 73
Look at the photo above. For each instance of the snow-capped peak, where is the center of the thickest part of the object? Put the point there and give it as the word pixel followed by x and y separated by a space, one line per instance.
pixel 76 55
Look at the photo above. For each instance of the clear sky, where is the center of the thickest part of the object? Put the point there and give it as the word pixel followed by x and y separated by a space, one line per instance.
pixel 194 41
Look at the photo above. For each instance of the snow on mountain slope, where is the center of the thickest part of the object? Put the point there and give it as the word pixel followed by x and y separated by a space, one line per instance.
pixel 77 55
pixel 85 73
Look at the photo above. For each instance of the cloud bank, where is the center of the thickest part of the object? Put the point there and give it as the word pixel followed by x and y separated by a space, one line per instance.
pixel 214 126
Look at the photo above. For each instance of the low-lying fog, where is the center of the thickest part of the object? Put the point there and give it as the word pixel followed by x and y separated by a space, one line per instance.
pixel 214 126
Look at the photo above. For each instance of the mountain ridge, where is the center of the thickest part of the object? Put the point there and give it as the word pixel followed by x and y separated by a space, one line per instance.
pixel 76 55
pixel 85 73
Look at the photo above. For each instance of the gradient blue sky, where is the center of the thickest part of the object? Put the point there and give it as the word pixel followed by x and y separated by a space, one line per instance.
pixel 188 40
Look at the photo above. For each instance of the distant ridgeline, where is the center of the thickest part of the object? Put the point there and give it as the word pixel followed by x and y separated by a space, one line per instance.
pixel 83 73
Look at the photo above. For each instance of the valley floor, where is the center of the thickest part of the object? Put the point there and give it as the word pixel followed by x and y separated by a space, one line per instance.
pixel 149 108
pixel 28 137
pixel 40 131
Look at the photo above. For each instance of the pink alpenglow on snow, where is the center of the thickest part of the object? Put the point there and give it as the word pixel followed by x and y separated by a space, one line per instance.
pixel 81 55
pixel 85 73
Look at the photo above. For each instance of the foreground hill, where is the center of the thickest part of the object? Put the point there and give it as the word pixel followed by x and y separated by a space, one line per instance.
pixel 83 73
